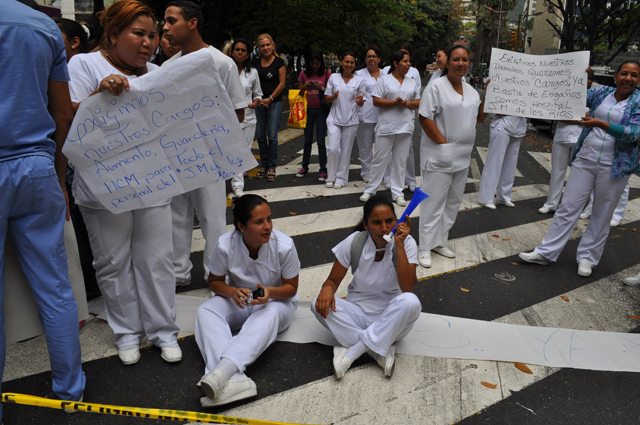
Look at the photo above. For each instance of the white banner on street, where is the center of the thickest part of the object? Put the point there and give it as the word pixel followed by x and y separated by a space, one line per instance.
pixel 174 131
pixel 552 87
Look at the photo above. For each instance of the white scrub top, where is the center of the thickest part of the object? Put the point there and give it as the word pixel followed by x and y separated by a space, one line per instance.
pixel 455 116
pixel 513 126
pixel 368 113
pixel 374 284
pixel 598 146
pixel 277 260
pixel 434 78
pixel 395 120
pixel 413 73
pixel 252 91
pixel 344 110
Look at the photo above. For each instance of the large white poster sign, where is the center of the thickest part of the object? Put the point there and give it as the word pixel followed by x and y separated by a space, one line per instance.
pixel 174 131
pixel 552 87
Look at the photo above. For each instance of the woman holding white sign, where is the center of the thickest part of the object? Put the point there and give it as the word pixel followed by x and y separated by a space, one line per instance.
pixel 604 158
pixel 251 84
pixel 132 258
pixel 449 111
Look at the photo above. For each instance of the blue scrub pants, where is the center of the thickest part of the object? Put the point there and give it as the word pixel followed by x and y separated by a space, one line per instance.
pixel 32 214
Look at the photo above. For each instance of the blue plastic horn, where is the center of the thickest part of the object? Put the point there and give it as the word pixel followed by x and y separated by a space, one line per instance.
pixel 418 197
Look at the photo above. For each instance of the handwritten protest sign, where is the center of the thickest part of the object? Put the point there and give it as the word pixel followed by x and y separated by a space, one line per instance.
pixel 552 87
pixel 174 131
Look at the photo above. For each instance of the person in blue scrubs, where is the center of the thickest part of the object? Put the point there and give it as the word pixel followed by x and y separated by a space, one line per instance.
pixel 36 114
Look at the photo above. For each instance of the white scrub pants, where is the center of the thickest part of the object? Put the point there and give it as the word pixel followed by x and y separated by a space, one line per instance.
pixel 350 325
pixel 560 158
pixel 621 208
pixel 500 169
pixel 237 182
pixel 397 147
pixel 366 139
pixel 439 211
pixel 259 325
pixel 410 174
pixel 133 260
pixel 339 144
pixel 210 203
pixel 586 177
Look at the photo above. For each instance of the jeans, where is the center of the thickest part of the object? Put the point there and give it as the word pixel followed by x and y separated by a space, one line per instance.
pixel 267 126
pixel 318 117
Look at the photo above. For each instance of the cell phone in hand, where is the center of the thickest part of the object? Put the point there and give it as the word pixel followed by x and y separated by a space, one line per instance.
pixel 258 293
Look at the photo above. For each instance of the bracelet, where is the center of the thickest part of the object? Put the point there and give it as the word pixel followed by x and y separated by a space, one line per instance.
pixel 271 98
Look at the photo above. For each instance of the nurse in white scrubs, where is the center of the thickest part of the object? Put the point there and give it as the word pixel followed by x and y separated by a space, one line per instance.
pixel 605 156
pixel 397 96
pixel 368 114
pixel 380 308
pixel 441 61
pixel 252 256
pixel 449 111
pixel 502 160
pixel 345 91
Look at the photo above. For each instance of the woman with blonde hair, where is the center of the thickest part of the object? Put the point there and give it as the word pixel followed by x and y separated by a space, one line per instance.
pixel 272 72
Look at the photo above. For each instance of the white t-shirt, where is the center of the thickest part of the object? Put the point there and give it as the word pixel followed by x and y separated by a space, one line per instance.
pixel 252 90
pixel 456 117
pixel 228 73
pixel 395 120
pixel 413 73
pixel 277 260
pixel 344 110
pixel 368 113
pixel 374 284
pixel 86 72
pixel 511 125
pixel 598 146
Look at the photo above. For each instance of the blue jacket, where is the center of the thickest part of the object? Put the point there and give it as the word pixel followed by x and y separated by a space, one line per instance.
pixel 625 150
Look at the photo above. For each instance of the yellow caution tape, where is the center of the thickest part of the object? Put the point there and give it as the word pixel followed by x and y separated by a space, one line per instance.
pixel 138 412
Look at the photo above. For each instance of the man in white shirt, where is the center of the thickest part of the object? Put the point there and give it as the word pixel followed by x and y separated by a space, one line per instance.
pixel 183 27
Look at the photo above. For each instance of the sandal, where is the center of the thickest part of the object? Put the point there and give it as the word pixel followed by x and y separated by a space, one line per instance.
pixel 271 176
pixel 260 174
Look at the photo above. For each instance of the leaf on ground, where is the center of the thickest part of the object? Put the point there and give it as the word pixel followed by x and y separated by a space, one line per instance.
pixel 577 300
pixel 564 297
pixel 488 385
pixel 523 368
pixel 495 236
pixel 633 316
pixel 485 259
pixel 466 208
pixel 292 213
pixel 355 185
pixel 544 223
pixel 289 181
pixel 508 239
pixel 633 230
pixel 515 264
pixel 464 289
pixel 514 190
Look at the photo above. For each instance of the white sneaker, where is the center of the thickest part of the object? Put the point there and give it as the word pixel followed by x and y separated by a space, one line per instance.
pixel 585 216
pixel 341 363
pixel 614 223
pixel 400 201
pixel 386 362
pixel 365 197
pixel 238 192
pixel 387 186
pixel 632 281
pixel 129 356
pixel 425 260
pixel 534 258
pixel 181 283
pixel 584 268
pixel 412 188
pixel 213 383
pixel 444 251
pixel 171 354
pixel 506 203
pixel 545 210
pixel 328 185
pixel 488 206
pixel 235 390
pixel 365 178
pixel 72 411
pixel 338 186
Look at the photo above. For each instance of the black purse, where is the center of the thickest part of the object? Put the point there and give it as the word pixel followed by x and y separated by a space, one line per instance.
pixel 324 105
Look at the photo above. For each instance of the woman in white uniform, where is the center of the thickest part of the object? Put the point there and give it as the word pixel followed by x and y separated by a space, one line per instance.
pixel 604 158
pixel 441 61
pixel 380 308
pixel 132 253
pixel 397 96
pixel 251 84
pixel 449 111
pixel 368 114
pixel 502 160
pixel 345 91
pixel 253 256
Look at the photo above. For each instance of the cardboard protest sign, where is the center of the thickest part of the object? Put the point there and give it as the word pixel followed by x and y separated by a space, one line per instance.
pixel 174 131
pixel 552 87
